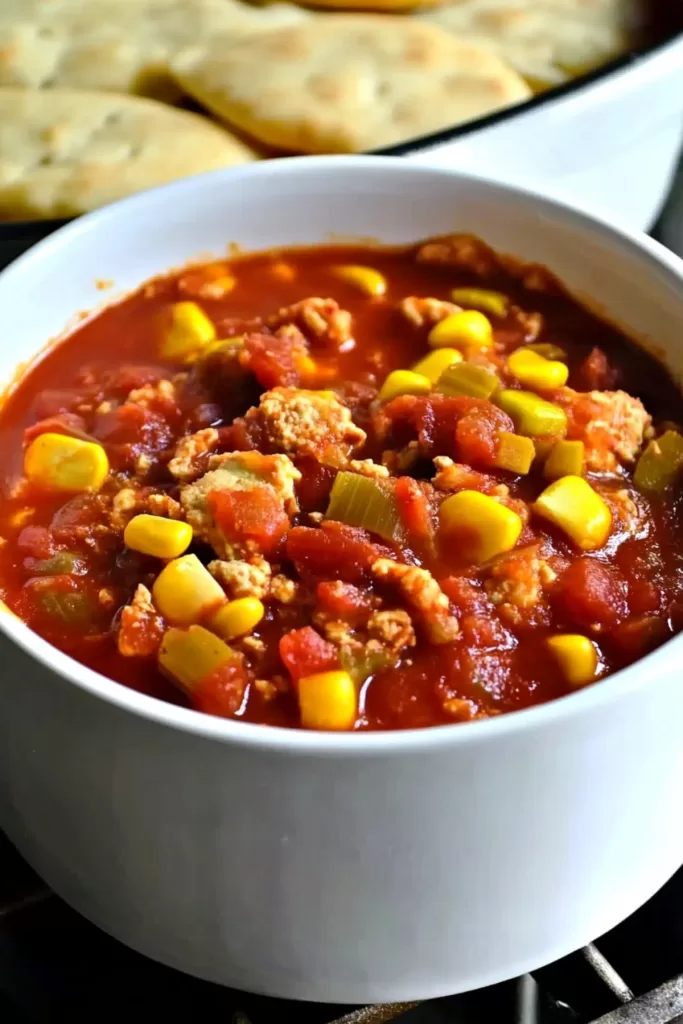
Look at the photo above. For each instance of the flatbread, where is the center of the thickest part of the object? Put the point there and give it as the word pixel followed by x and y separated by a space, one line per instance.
pixel 547 41
pixel 64 152
pixel 346 83
pixel 118 45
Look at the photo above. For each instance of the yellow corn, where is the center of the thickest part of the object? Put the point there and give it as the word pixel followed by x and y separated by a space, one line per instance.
pixel 660 463
pixel 576 657
pixel 185 592
pixel 535 371
pixel 366 279
pixel 62 463
pixel 237 617
pixel 533 416
pixel 515 453
pixel 156 536
pixel 483 526
pixel 434 364
pixel 573 505
pixel 565 459
pixel 466 379
pixel 467 328
pixel 404 382
pixel 547 349
pixel 188 332
pixel 481 298
pixel 190 655
pixel 327 701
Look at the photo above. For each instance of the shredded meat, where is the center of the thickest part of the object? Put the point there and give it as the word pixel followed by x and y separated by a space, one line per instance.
pixel 628 518
pixel 423 593
pixel 240 578
pixel 426 311
pixel 366 467
pixel 611 424
pixel 187 462
pixel 283 590
pixel 307 423
pixel 462 251
pixel 141 629
pixel 516 584
pixel 320 318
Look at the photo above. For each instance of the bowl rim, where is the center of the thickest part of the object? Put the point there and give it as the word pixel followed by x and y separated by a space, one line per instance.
pixel 298 741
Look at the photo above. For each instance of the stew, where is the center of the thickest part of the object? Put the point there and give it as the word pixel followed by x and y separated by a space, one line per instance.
pixel 346 488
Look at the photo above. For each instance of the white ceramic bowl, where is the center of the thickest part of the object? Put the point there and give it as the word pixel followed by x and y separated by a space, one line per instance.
pixel 343 868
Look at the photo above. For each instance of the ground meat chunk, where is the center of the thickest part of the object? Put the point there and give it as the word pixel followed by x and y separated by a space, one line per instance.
pixel 629 518
pixel 154 395
pixel 141 629
pixel 611 424
pixel 237 472
pixel 455 476
pixel 303 423
pixel 242 579
pixel 366 467
pixel 187 463
pixel 319 319
pixel 283 590
pixel 393 629
pixel 516 584
pixel 426 311
pixel 464 251
pixel 130 502
pixel 421 591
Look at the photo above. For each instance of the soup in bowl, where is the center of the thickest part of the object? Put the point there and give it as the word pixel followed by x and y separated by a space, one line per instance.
pixel 305 500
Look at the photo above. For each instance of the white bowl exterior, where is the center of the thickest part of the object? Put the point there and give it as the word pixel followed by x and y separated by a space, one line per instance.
pixel 352 868
pixel 611 145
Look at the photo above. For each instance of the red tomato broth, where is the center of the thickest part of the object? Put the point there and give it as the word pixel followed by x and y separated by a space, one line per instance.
pixel 626 596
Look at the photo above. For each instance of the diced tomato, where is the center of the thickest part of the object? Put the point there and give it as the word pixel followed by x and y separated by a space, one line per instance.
pixel 596 374
pixel 124 379
pixel 416 515
pixel 65 423
pixel 140 633
pixel 36 542
pixel 304 653
pixel 437 422
pixel 334 551
pixel 477 433
pixel 222 692
pixel 313 490
pixel 343 601
pixel 637 637
pixel 275 360
pixel 254 515
pixel 592 593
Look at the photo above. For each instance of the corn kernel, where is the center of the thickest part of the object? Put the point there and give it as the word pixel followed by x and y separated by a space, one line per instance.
pixel 533 416
pixel 158 537
pixel 483 526
pixel 404 382
pixel 481 298
pixel 661 462
pixel 535 371
pixel 564 459
pixel 237 617
pixel 327 701
pixel 188 332
pixel 547 349
pixel 515 453
pixel 467 328
pixel 184 591
pixel 366 279
pixel 466 379
pixel 62 463
pixel 573 505
pixel 576 657
pixel 190 655
pixel 433 365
